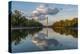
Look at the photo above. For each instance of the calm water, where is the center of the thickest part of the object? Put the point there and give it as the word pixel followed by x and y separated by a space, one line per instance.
pixel 24 40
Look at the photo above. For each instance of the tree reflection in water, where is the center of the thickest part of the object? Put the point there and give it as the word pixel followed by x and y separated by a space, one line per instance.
pixel 18 35
pixel 67 31
pixel 40 39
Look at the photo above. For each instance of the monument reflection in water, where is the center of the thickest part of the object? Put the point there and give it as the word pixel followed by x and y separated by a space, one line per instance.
pixel 24 40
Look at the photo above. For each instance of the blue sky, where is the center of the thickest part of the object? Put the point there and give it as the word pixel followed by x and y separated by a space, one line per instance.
pixel 66 11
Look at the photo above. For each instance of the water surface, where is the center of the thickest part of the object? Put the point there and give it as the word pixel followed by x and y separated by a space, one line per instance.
pixel 24 40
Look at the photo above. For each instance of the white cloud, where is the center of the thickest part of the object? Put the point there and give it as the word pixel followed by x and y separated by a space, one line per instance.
pixel 42 11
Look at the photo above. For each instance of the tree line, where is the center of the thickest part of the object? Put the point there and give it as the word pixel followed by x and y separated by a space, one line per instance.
pixel 18 20
pixel 66 23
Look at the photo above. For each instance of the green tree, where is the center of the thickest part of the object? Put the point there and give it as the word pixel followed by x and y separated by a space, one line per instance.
pixel 18 20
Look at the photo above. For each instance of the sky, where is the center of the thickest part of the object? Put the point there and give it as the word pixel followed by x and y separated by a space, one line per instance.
pixel 40 11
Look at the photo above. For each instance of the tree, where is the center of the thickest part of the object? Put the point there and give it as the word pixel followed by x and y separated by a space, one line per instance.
pixel 18 20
